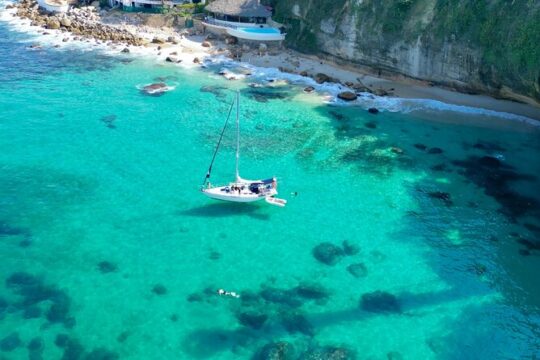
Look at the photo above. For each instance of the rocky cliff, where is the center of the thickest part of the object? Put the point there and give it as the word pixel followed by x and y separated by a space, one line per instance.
pixel 488 46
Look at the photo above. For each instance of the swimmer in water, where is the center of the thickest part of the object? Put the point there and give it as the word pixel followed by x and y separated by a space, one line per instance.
pixel 294 193
pixel 222 292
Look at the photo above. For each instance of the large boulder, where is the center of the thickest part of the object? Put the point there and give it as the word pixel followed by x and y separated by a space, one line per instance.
pixel 231 40
pixel 347 96
pixel 53 23
pixel 328 253
pixel 157 40
pixel 206 44
pixel 66 22
pixel 321 78
pixel 155 89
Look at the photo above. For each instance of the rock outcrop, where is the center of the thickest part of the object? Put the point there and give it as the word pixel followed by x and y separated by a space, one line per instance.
pixel 487 46
pixel 82 21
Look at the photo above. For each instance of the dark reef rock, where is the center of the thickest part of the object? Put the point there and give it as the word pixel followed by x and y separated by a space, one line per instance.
pixel 421 147
pixel 279 296
pixel 328 253
pixel 20 280
pixel 34 291
pixel 440 195
pixel 61 340
pixel 349 248
pixel 7 230
pixel 297 323
pixel 311 291
pixel 195 297
pixel 380 302
pixel 488 146
pixel 276 351
pixel 24 243
pixel 358 270
pixel 36 344
pixel 252 320
pixel 495 177
pixel 109 121
pixel 106 267
pixel 159 289
pixel 373 111
pixel 328 353
pixel 438 167
pixel 59 310
pixel 337 116
pixel 73 350
pixel 371 125
pixel 263 95
pixel 435 150
pixel 394 355
pixel 10 342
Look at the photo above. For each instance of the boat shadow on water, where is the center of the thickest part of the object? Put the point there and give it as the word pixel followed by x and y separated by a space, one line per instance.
pixel 223 209
pixel 206 343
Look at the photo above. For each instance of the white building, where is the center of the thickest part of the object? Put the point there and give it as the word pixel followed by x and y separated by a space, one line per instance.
pixel 244 19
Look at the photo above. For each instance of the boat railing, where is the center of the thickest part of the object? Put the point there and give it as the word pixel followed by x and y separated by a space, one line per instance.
pixel 212 21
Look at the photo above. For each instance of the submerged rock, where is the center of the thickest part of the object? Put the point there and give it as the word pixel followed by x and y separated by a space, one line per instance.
pixel 252 320
pixel 380 301
pixel 373 111
pixel 61 340
pixel 155 89
pixel 435 150
pixel 328 353
pixel 444 196
pixel 276 351
pixel 328 253
pixel 106 267
pixel 159 289
pixel 371 125
pixel 35 345
pixel 357 270
pixel 312 291
pixel 283 297
pixel 349 248
pixel 10 342
pixel 420 147
pixel 297 323
pixel 309 89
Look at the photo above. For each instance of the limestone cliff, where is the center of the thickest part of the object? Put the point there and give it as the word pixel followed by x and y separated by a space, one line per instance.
pixel 488 46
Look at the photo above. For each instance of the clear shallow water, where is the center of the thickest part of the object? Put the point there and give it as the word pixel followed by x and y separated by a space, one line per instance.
pixel 105 237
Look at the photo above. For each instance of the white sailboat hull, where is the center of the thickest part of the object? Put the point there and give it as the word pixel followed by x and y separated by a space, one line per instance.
pixel 226 194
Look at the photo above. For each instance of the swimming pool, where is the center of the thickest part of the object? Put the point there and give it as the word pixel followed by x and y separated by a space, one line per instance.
pixel 259 30
pixel 257 33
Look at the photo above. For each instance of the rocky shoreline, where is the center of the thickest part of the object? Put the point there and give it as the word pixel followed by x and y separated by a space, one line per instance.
pixel 84 22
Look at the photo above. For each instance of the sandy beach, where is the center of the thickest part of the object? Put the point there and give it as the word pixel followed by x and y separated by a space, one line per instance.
pixel 185 48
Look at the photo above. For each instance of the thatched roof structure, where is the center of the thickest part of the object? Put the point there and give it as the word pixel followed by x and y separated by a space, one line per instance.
pixel 245 8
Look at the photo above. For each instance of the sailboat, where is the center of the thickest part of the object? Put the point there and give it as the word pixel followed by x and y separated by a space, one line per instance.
pixel 240 190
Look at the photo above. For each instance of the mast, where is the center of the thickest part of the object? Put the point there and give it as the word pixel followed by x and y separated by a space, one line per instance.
pixel 237 134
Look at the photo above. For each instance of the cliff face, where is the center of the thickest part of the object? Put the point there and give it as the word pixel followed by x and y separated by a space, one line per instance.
pixel 488 46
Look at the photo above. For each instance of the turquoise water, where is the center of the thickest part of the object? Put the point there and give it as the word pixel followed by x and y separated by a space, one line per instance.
pixel 107 243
